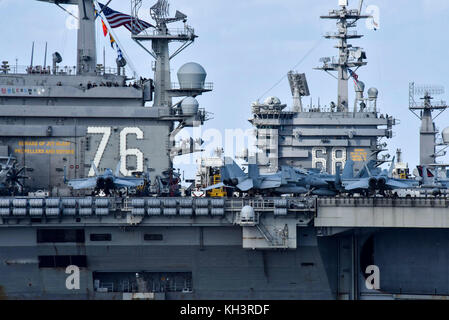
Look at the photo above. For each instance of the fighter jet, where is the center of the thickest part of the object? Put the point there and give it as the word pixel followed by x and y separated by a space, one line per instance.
pixel 430 183
pixel 232 176
pixel 311 181
pixel 287 181
pixel 372 180
pixel 106 182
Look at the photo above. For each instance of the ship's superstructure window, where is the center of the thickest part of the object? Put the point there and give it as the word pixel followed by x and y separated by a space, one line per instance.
pixel 153 237
pixel 60 235
pixel 62 261
pixel 100 237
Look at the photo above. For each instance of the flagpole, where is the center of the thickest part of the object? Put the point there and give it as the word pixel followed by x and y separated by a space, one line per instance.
pixel 111 31
pixel 104 59
pixel 101 11
pixel 32 55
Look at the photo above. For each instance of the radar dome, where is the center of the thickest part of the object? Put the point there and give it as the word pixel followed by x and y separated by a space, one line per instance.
pixel 191 76
pixel 359 86
pixel 272 100
pixel 189 106
pixel 247 213
pixel 445 135
pixel 373 93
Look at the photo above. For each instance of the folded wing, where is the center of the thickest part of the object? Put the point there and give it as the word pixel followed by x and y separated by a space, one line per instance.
pixel 128 182
pixel 79 184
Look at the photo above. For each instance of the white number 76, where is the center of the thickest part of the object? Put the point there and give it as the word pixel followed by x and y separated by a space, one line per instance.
pixel 124 151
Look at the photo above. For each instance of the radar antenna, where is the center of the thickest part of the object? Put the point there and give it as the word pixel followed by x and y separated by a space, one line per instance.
pixel 299 87
pixel 428 133
pixel 160 10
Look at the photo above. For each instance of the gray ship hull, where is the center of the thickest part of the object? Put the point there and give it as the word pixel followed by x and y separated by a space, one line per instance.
pixel 220 268
pixel 210 263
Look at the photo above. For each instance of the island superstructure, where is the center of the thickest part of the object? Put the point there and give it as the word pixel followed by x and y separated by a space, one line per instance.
pixel 318 136
pixel 70 117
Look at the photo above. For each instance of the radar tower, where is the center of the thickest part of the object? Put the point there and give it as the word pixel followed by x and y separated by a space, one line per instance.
pixel 428 143
pixel 160 38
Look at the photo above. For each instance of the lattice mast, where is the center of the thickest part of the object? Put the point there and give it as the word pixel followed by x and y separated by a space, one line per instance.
pixel 428 132
pixel 160 38
pixel 348 55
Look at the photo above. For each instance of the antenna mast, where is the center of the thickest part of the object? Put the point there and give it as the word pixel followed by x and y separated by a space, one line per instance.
pixel 45 56
pixel 348 56
pixel 160 38
pixel 32 55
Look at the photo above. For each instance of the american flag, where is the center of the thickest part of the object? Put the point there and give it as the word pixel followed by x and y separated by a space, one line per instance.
pixel 353 74
pixel 117 19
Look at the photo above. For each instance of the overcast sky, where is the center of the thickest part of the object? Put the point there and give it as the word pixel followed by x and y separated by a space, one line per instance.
pixel 247 46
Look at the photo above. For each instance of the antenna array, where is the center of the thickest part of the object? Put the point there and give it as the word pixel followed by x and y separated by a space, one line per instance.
pixel 421 90
pixel 160 10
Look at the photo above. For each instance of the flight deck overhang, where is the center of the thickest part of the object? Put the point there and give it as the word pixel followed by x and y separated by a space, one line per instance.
pixel 382 213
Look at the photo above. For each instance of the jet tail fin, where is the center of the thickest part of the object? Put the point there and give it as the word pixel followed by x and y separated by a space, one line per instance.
pixel 65 174
pixel 253 171
pixel 348 172
pixel 338 178
pixel 426 174
pixel 390 172
pixel 117 169
pixel 232 169
pixel 148 175
pixel 420 171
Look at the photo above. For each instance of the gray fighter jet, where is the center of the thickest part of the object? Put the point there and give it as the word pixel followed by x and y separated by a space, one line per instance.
pixel 431 184
pixel 106 182
pixel 287 181
pixel 232 176
pixel 371 179
pixel 311 181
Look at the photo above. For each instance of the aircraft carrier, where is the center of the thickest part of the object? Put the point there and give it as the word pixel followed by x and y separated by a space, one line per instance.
pixel 59 124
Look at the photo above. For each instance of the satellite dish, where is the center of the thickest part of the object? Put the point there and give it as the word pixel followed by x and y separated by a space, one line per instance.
pixel 121 62
pixel 57 57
